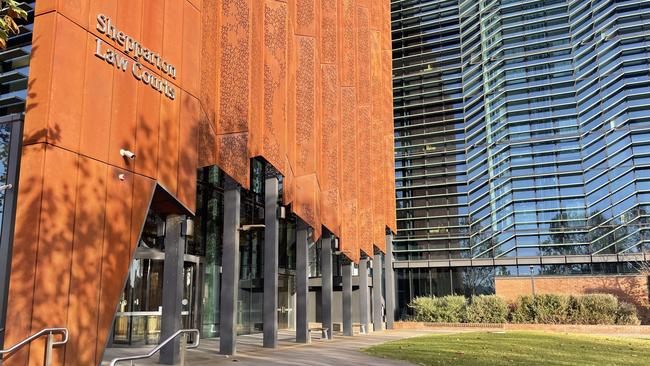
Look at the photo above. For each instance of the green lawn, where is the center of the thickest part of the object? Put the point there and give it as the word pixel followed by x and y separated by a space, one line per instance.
pixel 517 348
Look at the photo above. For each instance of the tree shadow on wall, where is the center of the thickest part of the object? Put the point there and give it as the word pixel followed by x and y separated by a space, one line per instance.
pixel 630 289
pixel 74 240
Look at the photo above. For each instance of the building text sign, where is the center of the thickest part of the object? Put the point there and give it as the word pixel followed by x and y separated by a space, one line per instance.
pixel 140 54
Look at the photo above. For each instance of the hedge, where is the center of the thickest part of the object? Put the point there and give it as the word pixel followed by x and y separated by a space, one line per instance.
pixel 596 309
pixel 487 309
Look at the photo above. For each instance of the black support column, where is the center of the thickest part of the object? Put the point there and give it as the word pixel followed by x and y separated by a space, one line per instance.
pixel 377 298
pixel 326 275
pixel 346 271
pixel 271 261
pixel 364 293
pixel 230 267
pixel 390 283
pixel 302 282
pixel 172 288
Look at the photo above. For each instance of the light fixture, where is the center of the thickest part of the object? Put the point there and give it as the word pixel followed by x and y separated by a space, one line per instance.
pixel 251 227
pixel 127 154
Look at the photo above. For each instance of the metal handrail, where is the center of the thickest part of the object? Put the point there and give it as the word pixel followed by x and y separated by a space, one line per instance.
pixel 48 346
pixel 157 349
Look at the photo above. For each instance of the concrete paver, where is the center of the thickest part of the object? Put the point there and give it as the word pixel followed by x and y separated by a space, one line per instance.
pixel 339 351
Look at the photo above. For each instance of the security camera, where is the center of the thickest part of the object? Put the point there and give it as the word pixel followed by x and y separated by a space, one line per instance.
pixel 127 154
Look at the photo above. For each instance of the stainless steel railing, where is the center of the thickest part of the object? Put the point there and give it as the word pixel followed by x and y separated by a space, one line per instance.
pixel 184 347
pixel 49 345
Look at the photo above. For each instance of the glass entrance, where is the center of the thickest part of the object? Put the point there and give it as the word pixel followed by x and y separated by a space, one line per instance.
pixel 139 314
pixel 286 291
pixel 138 319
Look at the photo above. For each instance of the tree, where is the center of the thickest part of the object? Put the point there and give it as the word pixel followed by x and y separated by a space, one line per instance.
pixel 11 11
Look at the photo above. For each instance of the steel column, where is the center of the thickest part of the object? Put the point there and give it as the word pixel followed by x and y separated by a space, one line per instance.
pixel 172 296
pixel 230 267
pixel 271 260
pixel 364 293
pixel 390 283
pixel 327 285
pixel 346 269
pixel 302 282
pixel 377 298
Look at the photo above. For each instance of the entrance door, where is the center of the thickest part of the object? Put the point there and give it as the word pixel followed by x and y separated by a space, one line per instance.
pixel 138 317
pixel 286 290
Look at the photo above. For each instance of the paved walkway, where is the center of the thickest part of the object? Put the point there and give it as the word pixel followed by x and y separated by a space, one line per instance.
pixel 339 351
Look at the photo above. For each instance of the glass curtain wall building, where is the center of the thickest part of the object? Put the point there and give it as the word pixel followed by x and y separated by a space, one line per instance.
pixel 522 134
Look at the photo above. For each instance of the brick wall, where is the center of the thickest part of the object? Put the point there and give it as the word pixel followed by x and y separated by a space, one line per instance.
pixel 631 289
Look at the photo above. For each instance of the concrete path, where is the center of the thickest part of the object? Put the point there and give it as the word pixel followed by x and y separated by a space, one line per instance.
pixel 337 352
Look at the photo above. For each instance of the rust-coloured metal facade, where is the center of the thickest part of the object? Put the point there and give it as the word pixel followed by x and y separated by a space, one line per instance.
pixel 304 84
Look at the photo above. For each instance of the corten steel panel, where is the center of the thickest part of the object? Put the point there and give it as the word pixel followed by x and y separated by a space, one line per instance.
pixel 198 4
pixel 386 35
pixel 28 219
pixel 44 6
pixel 75 10
pixel 148 128
pixel 377 166
pixel 116 250
pixel 304 13
pixel 129 17
pixel 304 117
pixel 330 148
pixel 306 202
pixel 232 156
pixel 191 63
pixel 64 120
pixel 329 26
pixel 143 191
pixel 188 158
pixel 38 90
pixel 349 170
pixel 376 15
pixel 209 93
pixel 54 251
pixel 347 42
pixel 174 36
pixel 168 144
pixel 234 90
pixel 123 119
pixel 391 204
pixel 235 67
pixel 153 24
pixel 364 201
pixel 96 111
pixel 86 262
pixel 363 56
pixel 108 8
pixel 256 93
pixel 274 127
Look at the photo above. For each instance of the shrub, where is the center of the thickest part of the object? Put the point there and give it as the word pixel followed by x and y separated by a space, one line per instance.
pixel 551 309
pixel 626 314
pixel 487 309
pixel 448 309
pixel 596 309
pixel 522 310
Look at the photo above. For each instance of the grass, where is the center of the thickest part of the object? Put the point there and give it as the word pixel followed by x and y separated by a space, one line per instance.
pixel 516 348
